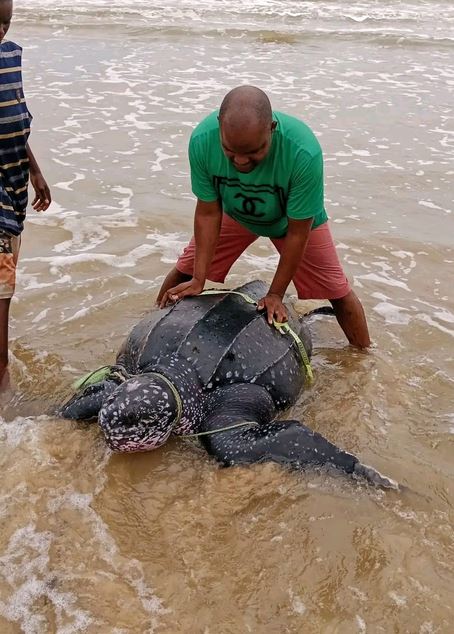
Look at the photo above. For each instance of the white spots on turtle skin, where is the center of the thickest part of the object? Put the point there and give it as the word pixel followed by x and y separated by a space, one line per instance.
pixel 143 414
pixel 131 421
pixel 131 385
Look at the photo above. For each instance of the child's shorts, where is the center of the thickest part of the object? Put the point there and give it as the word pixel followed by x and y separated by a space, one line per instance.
pixel 9 252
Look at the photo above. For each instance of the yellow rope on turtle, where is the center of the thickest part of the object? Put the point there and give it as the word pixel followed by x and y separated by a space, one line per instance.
pixel 104 372
pixel 281 327
pixel 175 392
pixel 218 431
pixel 284 329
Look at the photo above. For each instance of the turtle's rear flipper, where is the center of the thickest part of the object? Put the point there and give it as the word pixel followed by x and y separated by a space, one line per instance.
pixel 321 310
pixel 240 431
pixel 375 477
pixel 288 443
pixel 285 441
pixel 87 402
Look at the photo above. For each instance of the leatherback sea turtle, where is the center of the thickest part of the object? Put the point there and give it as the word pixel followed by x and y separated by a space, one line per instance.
pixel 212 366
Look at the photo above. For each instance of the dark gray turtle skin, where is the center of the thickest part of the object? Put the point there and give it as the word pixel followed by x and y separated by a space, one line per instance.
pixel 205 364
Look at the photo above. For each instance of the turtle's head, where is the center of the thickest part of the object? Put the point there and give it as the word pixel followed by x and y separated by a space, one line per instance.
pixel 140 414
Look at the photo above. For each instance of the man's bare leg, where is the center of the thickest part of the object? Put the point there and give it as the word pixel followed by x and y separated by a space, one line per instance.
pixel 4 314
pixel 174 277
pixel 350 315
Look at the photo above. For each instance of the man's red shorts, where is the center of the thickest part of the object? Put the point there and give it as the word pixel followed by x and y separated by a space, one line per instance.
pixel 319 275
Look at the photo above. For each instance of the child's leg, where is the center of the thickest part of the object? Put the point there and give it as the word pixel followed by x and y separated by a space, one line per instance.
pixel 4 312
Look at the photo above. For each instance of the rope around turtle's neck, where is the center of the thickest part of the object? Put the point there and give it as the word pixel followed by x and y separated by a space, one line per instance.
pixel 176 395
pixel 217 431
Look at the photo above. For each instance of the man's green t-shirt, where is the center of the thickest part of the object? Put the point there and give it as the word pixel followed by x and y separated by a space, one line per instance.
pixel 288 183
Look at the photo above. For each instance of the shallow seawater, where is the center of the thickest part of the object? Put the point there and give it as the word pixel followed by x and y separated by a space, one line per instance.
pixel 167 542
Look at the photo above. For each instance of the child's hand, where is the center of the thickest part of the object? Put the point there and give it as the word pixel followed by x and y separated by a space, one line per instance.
pixel 42 198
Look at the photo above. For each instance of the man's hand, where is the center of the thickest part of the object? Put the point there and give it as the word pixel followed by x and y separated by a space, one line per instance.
pixel 42 198
pixel 186 289
pixel 275 309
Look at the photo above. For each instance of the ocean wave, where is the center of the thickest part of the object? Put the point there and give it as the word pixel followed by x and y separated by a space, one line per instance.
pixel 384 37
pixel 421 19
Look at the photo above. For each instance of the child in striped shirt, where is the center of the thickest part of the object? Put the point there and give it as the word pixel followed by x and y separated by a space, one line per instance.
pixel 17 164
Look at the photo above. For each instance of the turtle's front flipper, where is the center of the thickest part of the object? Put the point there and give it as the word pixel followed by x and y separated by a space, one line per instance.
pixel 87 403
pixel 92 391
pixel 286 442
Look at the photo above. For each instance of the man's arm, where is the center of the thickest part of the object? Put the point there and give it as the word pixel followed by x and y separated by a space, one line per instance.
pixel 207 225
pixel 293 250
pixel 42 198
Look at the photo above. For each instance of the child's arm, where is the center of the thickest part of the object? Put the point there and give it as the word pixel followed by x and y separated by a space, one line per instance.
pixel 42 198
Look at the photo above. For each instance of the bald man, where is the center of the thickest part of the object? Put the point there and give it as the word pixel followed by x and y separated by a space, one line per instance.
pixel 256 172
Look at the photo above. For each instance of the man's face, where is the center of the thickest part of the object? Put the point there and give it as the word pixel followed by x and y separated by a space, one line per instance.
pixel 6 13
pixel 245 149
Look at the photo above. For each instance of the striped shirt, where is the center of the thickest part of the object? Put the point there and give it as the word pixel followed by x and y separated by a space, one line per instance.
pixel 15 121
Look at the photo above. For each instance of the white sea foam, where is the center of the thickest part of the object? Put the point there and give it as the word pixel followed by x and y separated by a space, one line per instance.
pixel 428 319
pixel 297 604
pixel 15 432
pixel 392 314
pixel 40 316
pixel 383 279
pixel 161 157
pixel 67 185
pixel 445 315
pixel 429 204
pixel 170 245
pixel 118 261
pixel 106 547
pixel 402 17
pixel 82 313
pixel 25 566
pixel 398 599
pixel 361 624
